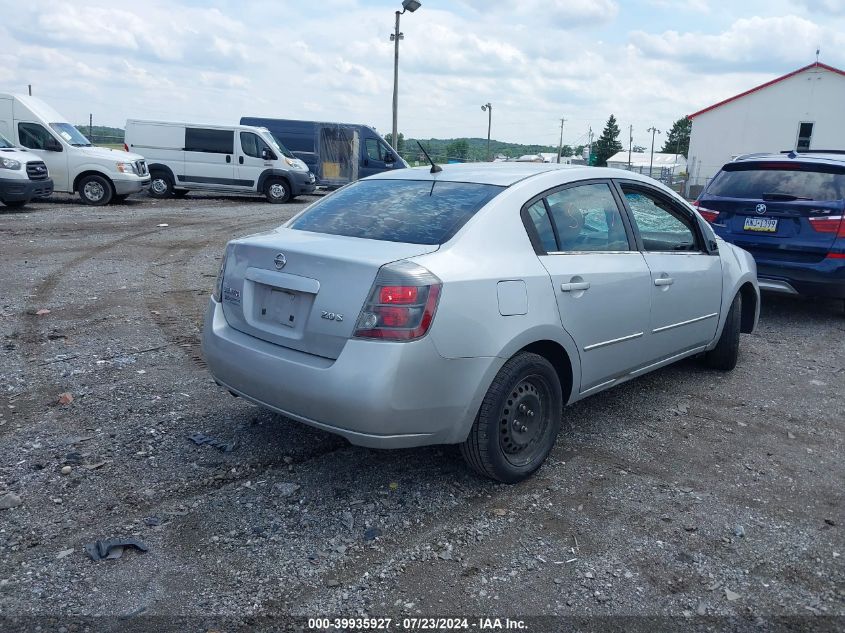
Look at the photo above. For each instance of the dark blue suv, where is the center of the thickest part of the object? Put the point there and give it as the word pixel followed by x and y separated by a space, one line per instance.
pixel 787 211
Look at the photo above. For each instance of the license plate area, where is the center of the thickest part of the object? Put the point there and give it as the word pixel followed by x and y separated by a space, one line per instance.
pixel 280 310
pixel 761 225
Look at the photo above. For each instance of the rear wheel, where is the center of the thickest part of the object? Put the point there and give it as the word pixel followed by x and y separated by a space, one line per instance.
pixel 95 190
pixel 726 353
pixel 161 185
pixel 276 190
pixel 518 422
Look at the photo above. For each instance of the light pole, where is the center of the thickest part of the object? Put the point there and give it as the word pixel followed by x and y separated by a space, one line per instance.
pixel 560 145
pixel 653 131
pixel 407 5
pixel 488 107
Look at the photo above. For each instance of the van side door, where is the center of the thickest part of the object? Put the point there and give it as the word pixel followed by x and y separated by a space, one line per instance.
pixel 254 156
pixel 209 160
pixel 41 141
pixel 376 157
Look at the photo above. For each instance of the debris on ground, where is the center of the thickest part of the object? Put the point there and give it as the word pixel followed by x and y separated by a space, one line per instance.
pixel 201 438
pixel 731 595
pixel 371 534
pixel 65 398
pixel 9 500
pixel 113 547
pixel 286 489
pixel 42 312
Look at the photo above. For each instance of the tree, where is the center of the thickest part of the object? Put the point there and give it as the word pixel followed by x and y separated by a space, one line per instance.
pixel 579 151
pixel 458 149
pixel 608 143
pixel 639 149
pixel 389 139
pixel 566 151
pixel 677 141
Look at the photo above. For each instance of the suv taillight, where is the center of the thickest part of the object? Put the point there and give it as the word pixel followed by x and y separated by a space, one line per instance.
pixel 708 214
pixel 401 304
pixel 829 224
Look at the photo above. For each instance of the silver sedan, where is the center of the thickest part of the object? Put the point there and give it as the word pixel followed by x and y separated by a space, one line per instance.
pixel 470 305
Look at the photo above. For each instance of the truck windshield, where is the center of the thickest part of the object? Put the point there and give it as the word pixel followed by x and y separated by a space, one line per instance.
pixel 277 143
pixel 70 134
pixel 4 143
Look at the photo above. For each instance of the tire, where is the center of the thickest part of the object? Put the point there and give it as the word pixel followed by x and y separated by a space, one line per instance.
pixel 518 422
pixel 726 353
pixel 95 190
pixel 180 193
pixel 277 190
pixel 161 185
pixel 15 204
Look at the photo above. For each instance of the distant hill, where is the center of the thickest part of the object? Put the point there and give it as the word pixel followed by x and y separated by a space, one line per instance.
pixel 477 148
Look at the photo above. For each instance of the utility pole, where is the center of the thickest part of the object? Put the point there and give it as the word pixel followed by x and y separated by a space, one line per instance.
pixel 488 107
pixel 630 144
pixel 90 126
pixel 396 36
pixel 653 131
pixel 589 144
pixel 560 145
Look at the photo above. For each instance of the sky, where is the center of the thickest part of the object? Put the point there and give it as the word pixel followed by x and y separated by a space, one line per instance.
pixel 648 62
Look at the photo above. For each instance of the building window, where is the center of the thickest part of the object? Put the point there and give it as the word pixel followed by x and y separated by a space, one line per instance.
pixel 805 134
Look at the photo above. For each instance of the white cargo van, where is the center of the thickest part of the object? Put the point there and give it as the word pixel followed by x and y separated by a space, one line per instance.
pixel 98 174
pixel 227 159
pixel 23 176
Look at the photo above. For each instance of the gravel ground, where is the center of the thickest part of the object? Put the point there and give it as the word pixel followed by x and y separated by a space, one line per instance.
pixel 696 497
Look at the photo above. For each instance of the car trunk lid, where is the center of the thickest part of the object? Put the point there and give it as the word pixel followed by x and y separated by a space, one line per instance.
pixel 304 290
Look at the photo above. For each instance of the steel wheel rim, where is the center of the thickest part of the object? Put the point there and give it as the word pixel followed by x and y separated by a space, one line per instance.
pixel 277 190
pixel 94 191
pixel 159 186
pixel 524 420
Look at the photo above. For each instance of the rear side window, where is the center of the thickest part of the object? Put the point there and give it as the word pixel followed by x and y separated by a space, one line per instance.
pixel 210 141
pixel 778 181
pixel 412 211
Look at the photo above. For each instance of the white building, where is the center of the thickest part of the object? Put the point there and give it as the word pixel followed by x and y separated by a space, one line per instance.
pixel 801 110
pixel 663 166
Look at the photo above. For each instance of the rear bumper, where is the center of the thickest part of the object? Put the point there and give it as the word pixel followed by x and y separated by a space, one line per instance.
pixel 377 394
pixel 19 189
pixel 822 279
pixel 124 187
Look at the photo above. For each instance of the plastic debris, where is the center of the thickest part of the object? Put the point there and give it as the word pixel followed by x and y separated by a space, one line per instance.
pixel 201 438
pixel 370 534
pixel 113 547
pixel 65 398
pixel 42 312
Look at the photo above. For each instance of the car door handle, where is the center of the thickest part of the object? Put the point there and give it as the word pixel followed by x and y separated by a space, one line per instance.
pixel 574 286
pixel 664 281
pixel 241 160
pixel 228 159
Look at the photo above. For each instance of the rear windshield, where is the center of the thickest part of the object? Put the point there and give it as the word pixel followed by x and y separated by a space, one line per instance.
pixel 776 180
pixel 412 211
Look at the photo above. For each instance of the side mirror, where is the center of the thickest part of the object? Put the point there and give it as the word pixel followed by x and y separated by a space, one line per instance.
pixel 52 145
pixel 266 154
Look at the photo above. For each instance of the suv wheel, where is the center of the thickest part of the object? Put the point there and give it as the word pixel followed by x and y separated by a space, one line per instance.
pixel 95 190
pixel 161 185
pixel 518 422
pixel 276 190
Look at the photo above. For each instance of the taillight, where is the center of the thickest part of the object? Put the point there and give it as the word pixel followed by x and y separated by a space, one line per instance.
pixel 708 214
pixel 125 147
pixel 829 224
pixel 401 305
pixel 217 293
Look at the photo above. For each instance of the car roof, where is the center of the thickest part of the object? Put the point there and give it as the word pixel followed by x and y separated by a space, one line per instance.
pixel 502 174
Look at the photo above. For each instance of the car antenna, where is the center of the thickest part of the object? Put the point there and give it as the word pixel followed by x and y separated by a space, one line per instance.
pixel 434 167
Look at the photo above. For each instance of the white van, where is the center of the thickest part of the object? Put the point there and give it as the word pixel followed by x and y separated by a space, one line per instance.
pixel 225 159
pixel 23 176
pixel 100 175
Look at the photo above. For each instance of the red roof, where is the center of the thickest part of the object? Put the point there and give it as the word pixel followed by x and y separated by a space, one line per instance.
pixel 767 84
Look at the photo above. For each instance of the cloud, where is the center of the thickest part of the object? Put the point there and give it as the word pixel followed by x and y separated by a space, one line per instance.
pixel 562 14
pixel 754 44
pixel 825 7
